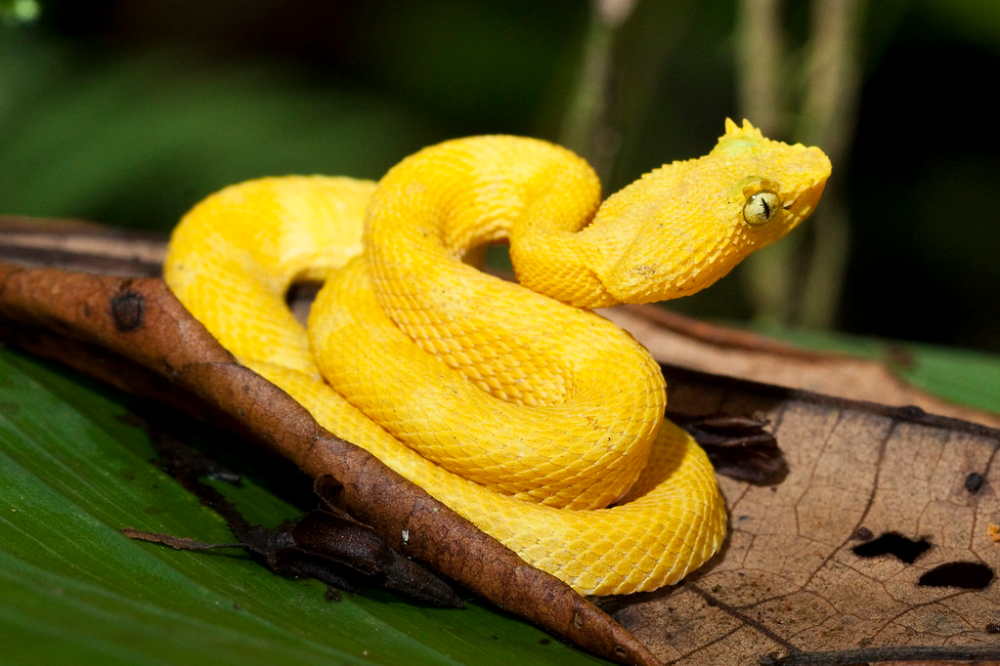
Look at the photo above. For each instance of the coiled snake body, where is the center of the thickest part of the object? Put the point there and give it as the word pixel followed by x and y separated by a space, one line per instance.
pixel 513 404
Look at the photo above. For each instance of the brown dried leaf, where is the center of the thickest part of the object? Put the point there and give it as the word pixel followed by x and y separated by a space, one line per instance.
pixel 788 580
pixel 134 334
pixel 77 245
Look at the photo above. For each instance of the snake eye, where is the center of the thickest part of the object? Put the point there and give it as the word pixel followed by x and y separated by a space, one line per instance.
pixel 761 208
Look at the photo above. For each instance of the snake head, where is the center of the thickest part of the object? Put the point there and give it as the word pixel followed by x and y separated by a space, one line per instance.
pixel 685 225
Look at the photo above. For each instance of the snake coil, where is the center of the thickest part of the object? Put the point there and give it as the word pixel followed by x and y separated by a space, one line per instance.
pixel 533 417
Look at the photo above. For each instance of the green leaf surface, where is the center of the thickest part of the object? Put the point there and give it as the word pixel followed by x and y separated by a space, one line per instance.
pixel 74 470
pixel 136 141
pixel 965 377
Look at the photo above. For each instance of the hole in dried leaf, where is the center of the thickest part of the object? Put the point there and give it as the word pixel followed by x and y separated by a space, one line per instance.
pixel 966 575
pixel 893 543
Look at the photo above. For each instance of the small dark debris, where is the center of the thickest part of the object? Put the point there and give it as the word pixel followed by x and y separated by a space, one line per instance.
pixel 544 641
pixel 964 575
pixel 494 637
pixel 974 482
pixel 993 628
pixel 911 412
pixel 127 311
pixel 863 534
pixel 893 543
pixel 332 594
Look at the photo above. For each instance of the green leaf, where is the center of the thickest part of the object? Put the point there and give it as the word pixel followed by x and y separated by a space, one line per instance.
pixel 74 471
pixel 136 141
pixel 965 377
pixel 16 12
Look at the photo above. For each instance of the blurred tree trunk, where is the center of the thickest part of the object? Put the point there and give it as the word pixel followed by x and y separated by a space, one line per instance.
pixel 799 282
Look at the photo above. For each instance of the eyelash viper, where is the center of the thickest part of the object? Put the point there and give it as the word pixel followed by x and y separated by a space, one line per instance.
pixel 513 404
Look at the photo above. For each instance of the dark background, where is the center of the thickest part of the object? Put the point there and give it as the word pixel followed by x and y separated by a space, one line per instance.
pixel 127 113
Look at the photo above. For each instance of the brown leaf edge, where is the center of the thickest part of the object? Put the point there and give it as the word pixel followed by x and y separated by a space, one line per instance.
pixel 133 334
pixel 673 338
pixel 677 339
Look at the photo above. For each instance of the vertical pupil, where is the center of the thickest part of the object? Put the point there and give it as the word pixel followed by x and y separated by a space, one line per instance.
pixel 763 204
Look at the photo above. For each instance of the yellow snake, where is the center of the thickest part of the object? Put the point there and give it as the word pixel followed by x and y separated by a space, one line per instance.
pixel 533 417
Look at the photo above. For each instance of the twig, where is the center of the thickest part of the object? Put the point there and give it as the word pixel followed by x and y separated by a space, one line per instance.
pixel 901 653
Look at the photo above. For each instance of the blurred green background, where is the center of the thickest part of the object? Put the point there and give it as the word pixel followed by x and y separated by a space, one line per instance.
pixel 127 113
